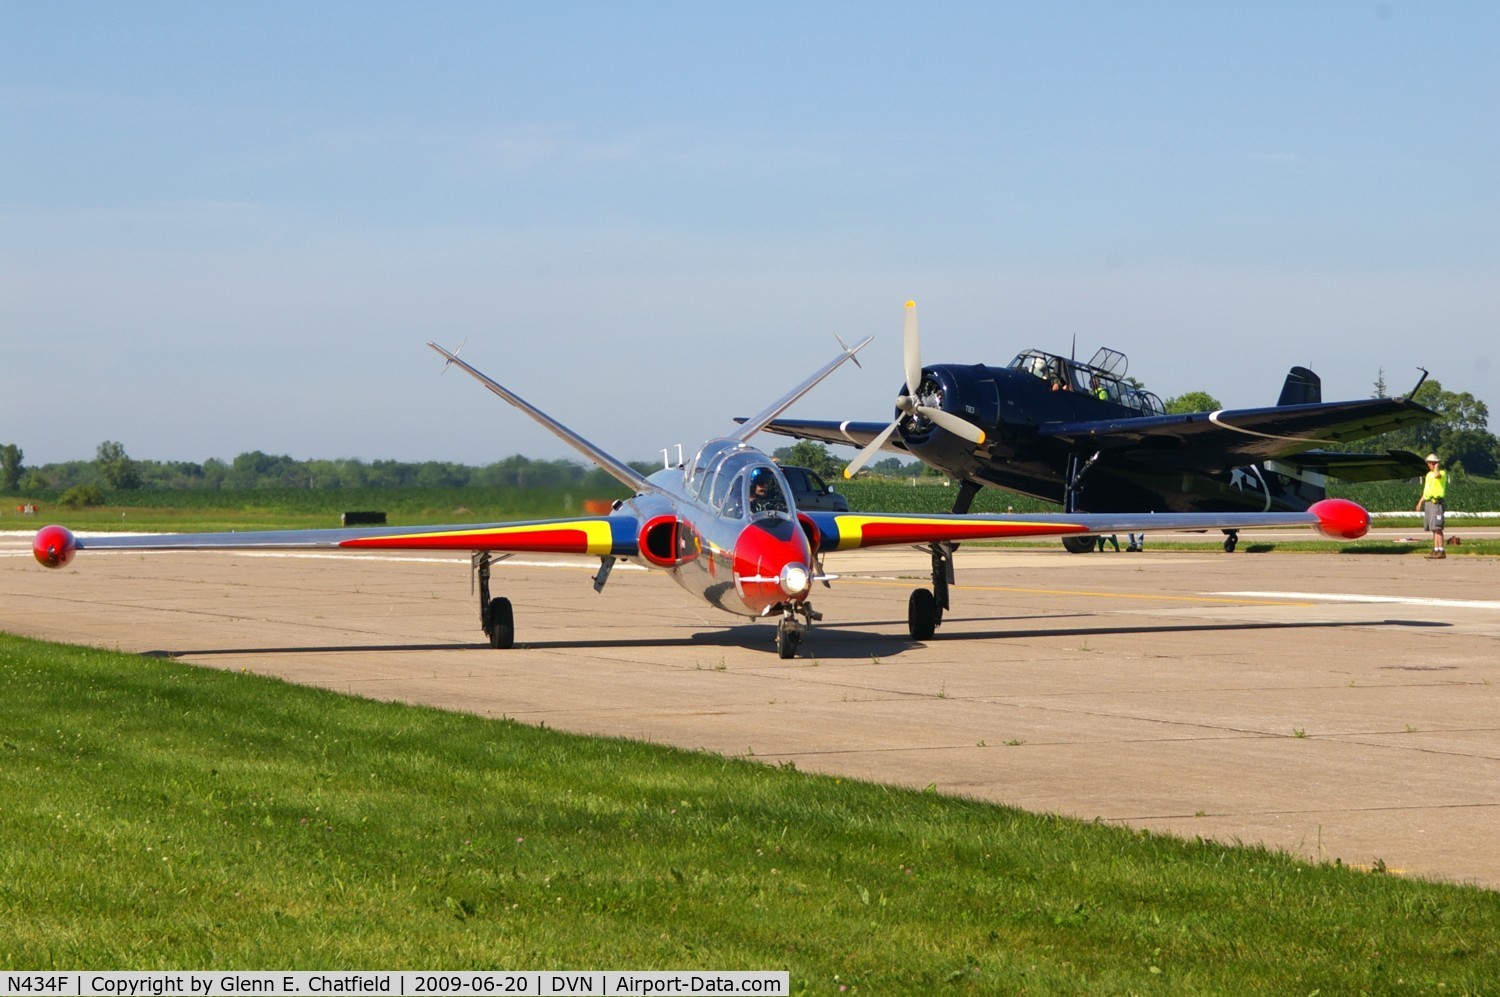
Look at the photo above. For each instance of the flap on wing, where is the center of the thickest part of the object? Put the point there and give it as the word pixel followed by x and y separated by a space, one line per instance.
pixel 1217 441
pixel 1388 466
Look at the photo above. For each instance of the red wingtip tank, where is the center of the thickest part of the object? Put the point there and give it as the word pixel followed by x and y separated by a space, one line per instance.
pixel 1341 519
pixel 54 546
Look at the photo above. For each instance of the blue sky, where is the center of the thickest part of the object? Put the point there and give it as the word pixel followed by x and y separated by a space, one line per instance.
pixel 230 227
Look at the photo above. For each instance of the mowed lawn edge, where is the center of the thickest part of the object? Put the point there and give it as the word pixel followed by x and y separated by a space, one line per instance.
pixel 155 815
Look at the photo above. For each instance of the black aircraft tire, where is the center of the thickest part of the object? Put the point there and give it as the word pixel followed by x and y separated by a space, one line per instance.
pixel 502 624
pixel 1078 545
pixel 786 642
pixel 1229 544
pixel 921 614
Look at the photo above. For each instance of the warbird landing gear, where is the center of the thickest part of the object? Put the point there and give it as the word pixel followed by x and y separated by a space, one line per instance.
pixel 496 616
pixel 1077 468
pixel 1231 540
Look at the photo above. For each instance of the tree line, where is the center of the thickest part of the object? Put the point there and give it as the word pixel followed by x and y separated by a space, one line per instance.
pixel 1460 436
pixel 115 470
pixel 112 469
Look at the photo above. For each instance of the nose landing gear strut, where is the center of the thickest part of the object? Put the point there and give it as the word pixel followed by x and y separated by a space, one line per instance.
pixel 790 630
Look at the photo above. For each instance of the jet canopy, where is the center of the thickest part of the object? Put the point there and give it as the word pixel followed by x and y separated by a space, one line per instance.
pixel 739 481
pixel 1103 377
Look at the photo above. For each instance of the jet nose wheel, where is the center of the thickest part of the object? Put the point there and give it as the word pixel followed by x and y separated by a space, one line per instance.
pixel 796 620
pixel 787 640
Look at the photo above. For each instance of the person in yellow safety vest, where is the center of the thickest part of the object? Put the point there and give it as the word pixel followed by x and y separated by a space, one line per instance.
pixel 1434 502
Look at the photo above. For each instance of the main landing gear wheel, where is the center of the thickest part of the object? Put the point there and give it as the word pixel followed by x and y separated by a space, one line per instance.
pixel 1078 545
pixel 496 618
pixel 922 614
pixel 1231 540
pixel 502 624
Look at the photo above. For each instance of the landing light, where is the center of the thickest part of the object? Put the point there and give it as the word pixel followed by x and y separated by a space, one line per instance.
pixel 795 579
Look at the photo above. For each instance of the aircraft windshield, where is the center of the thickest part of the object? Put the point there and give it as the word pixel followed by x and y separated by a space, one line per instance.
pixel 1102 378
pixel 705 465
pixel 739 481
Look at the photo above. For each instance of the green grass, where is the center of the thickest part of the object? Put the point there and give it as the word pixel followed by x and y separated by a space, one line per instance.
pixel 156 816
pixel 300 508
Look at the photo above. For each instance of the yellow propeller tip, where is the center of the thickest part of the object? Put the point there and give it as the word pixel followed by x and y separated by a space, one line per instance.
pixel 847 475
pixel 982 438
pixel 911 304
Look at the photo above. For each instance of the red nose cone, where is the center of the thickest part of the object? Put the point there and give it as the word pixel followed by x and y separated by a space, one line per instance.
pixel 760 554
pixel 54 546
pixel 1341 519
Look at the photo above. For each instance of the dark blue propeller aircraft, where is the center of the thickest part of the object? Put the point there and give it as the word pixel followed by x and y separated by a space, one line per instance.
pixel 1081 435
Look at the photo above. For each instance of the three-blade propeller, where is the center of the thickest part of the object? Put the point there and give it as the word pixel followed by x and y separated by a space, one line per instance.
pixel 911 402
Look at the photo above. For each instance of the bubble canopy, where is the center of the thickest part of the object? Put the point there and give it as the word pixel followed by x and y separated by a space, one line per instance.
pixel 738 480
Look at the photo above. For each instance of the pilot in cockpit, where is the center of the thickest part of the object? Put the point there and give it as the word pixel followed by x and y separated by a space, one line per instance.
pixel 1058 375
pixel 765 494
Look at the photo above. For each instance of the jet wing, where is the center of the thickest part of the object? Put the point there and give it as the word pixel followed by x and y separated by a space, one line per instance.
pixel 1218 441
pixel 598 535
pixel 1335 518
pixel 852 434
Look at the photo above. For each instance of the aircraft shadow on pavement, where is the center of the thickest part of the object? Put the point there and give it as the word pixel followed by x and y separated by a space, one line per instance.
pixel 823 642
pixel 830 643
